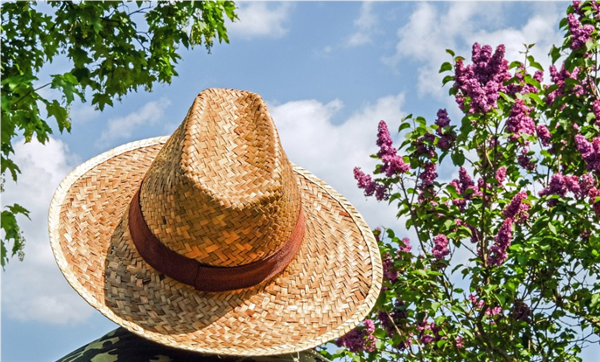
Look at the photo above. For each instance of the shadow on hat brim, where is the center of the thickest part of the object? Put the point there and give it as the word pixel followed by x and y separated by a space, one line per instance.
pixel 329 287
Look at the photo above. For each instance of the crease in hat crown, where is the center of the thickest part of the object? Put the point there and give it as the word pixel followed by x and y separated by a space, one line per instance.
pixel 222 191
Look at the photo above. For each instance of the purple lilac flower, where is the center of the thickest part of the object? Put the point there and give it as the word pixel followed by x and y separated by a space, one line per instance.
pixel 384 141
pixel 501 175
pixel 424 145
pixel 389 272
pixel 521 311
pixel 558 186
pixel 393 165
pixel 579 34
pixel 525 161
pixel 428 175
pixel 440 247
pixel 517 209
pixel 493 311
pixel 395 319
pixel 519 122
pixel 593 194
pixel 477 304
pixel 481 81
pixel 405 246
pixel 466 183
pixel 596 108
pixel 572 183
pixel 590 151
pixel 359 339
pixel 365 182
pixel 459 341
pixel 371 187
pixel 392 162
pixel 501 243
pixel 442 120
pixel 543 134
pixel 586 183
pixel 558 78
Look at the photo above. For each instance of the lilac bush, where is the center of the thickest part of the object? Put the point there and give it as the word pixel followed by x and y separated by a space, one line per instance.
pixel 519 225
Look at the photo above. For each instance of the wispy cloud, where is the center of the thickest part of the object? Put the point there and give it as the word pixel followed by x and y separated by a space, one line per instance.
pixel 261 19
pixel 331 151
pixel 365 25
pixel 121 128
pixel 35 290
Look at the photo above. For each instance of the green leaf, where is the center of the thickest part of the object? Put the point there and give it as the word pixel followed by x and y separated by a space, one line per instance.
pixel 458 158
pixel 446 66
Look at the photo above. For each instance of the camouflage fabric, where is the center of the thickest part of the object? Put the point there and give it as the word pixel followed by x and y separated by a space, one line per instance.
pixel 121 345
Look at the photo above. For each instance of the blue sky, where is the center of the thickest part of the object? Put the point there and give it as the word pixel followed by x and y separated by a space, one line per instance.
pixel 329 71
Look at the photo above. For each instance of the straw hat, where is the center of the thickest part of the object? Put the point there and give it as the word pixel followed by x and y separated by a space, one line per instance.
pixel 210 240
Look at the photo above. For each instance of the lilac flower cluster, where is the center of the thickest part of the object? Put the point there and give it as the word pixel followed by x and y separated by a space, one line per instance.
pixel 359 339
pixel 525 161
pixel 543 134
pixel 370 186
pixel 440 247
pixel 428 175
pixel 501 175
pixel 517 209
pixel 561 184
pixel 596 110
pixel 519 122
pixel 558 78
pixel 448 137
pixel 482 81
pixel 578 9
pixel 393 163
pixel 389 271
pixel 590 151
pixel 459 342
pixel 521 311
pixel 502 241
pixel 405 246
pixel 428 332
pixel 396 319
pixel 594 192
pixel 477 304
pixel 557 186
pixel 580 34
pixel 424 146
pixel 466 183
pixel 465 187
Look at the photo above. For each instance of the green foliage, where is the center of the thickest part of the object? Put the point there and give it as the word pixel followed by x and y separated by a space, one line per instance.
pixel 524 228
pixel 113 47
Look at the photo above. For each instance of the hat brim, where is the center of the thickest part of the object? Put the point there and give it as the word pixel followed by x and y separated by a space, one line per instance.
pixel 329 287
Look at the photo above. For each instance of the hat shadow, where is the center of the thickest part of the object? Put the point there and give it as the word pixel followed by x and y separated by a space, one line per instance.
pixel 137 293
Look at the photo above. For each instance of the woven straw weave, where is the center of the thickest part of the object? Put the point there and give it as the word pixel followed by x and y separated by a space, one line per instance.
pixel 328 288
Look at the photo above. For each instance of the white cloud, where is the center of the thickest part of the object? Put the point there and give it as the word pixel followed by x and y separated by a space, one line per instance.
pixel 364 24
pixel 35 290
pixel 331 151
pixel 122 128
pixel 429 32
pixel 83 113
pixel 260 19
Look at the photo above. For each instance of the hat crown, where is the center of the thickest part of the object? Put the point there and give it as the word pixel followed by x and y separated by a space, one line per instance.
pixel 222 191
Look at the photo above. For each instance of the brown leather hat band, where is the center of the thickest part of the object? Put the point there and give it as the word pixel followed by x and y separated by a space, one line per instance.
pixel 203 277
